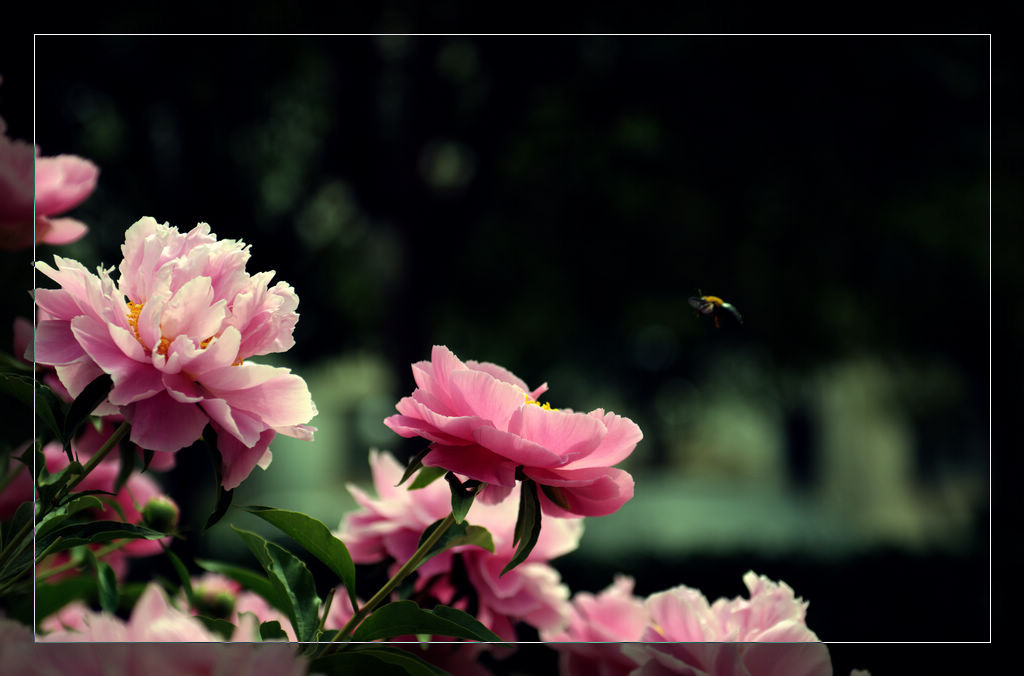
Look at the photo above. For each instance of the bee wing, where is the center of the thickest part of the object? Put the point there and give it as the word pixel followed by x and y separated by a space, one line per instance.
pixel 733 310
pixel 696 303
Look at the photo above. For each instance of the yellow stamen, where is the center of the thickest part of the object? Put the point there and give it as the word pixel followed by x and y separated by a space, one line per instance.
pixel 135 309
pixel 533 402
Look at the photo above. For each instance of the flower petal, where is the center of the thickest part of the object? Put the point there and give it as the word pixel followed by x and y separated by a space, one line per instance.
pixel 473 461
pixel 238 460
pixel 162 424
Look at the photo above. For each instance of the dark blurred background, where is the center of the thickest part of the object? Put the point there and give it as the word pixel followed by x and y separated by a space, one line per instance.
pixel 549 203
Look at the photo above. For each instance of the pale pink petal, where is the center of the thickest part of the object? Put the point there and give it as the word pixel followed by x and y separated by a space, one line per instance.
pixel 499 372
pixel 600 496
pixel 569 435
pixel 273 394
pixel 191 310
pixel 59 230
pixel 239 424
pixel 63 182
pixel 520 451
pixel 74 377
pixel 58 303
pixel 162 424
pixel 220 352
pixel 481 394
pixel 617 444
pixel 55 344
pixel 237 459
pixel 182 388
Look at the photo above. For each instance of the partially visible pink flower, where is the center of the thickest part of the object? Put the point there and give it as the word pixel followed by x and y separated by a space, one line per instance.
pixel 389 526
pixel 69 618
pixel 763 635
pixel 589 644
pixel 155 620
pixel 174 333
pixel 216 592
pixel 485 423
pixel 341 610
pixel 60 184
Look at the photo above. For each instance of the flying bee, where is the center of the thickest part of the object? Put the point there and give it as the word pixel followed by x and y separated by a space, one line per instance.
pixel 714 306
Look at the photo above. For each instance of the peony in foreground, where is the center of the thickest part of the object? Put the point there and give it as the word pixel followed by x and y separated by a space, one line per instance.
pixel 483 422
pixel 175 333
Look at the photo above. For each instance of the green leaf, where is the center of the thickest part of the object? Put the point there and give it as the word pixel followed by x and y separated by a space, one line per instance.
pixel 457 534
pixel 272 631
pixel 106 584
pixel 50 485
pixel 466 621
pixel 94 394
pixel 427 476
pixel 182 571
pixel 221 508
pixel 405 617
pixel 20 556
pixel 128 458
pixel 316 539
pixel 292 581
pixel 378 660
pixel 11 364
pixel 462 495
pixel 147 457
pixel 527 528
pixel 218 626
pixel 60 515
pixel 415 462
pixel 223 496
pixel 93 532
pixel 249 579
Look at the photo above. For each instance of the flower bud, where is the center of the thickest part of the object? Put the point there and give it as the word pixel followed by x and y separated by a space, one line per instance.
pixel 160 513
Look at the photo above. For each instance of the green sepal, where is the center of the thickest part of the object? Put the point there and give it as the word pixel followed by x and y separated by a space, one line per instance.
pixel 462 495
pixel 415 463
pixel 427 476
pixel 527 529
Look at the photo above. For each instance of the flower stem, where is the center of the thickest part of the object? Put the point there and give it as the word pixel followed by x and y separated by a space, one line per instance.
pixel 16 543
pixel 411 565
pixel 98 457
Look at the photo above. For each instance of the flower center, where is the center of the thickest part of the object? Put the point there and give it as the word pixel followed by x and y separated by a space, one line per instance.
pixel 135 309
pixel 533 402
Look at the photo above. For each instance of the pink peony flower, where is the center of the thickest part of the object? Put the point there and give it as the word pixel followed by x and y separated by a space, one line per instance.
pixel 60 184
pixel 155 619
pixel 764 634
pixel 174 334
pixel 391 524
pixel 588 644
pixel 484 422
